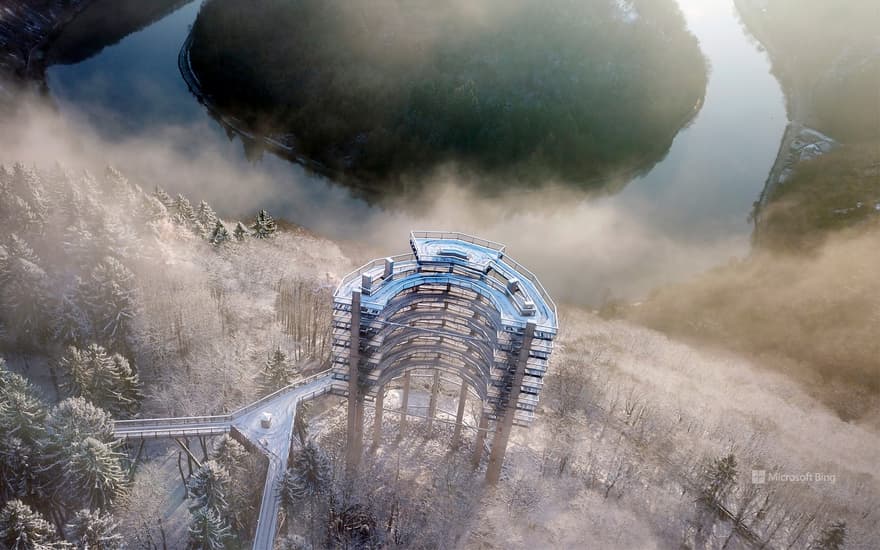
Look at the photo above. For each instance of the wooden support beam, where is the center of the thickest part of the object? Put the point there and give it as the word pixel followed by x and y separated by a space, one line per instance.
pixel 404 404
pixel 505 424
pixel 480 440
pixel 459 416
pixel 377 419
pixel 432 404
pixel 354 445
pixel 189 453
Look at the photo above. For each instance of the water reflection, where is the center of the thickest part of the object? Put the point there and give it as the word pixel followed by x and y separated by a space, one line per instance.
pixel 688 213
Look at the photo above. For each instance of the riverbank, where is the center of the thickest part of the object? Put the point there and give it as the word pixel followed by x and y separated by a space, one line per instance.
pixel 26 28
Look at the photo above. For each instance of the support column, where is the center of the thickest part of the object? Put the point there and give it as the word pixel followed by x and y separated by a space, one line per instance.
pixel 404 404
pixel 354 446
pixel 481 439
pixel 459 416
pixel 432 404
pixel 377 420
pixel 505 423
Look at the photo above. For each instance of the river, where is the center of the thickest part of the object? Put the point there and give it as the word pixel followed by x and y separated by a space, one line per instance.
pixel 685 215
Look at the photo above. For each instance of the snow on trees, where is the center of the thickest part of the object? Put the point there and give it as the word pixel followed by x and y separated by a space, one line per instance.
pixel 104 379
pixel 164 198
pixel 277 372
pixel 110 294
pixel 264 225
pixel 24 529
pixel 206 215
pixel 208 487
pixel 219 235
pixel 183 212
pixel 208 531
pixel 309 475
pixel 92 474
pixel 27 303
pixel 94 530
pixel 240 232
pixel 74 419
pixel 22 432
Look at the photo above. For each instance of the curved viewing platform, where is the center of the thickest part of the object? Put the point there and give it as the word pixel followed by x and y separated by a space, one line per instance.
pixel 464 260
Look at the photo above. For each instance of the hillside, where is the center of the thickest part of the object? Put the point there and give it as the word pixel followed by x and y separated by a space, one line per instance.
pixel 632 427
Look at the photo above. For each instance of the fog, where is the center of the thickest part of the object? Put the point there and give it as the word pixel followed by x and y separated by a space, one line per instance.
pixel 583 249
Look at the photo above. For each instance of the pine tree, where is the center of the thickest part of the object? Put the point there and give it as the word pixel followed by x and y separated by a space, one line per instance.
pixel 230 454
pixel 233 457
pixel 208 487
pixel 119 188
pixel 264 226
pixel 92 474
pixel 94 531
pixel 219 235
pixel 111 295
pixel 183 212
pixel 207 530
pixel 309 475
pixel 74 419
pixel 152 209
pixel 206 215
pixel 832 537
pixel 277 372
pixel 106 380
pixel 26 300
pixel 164 198
pixel 23 529
pixel 72 324
pixel 241 232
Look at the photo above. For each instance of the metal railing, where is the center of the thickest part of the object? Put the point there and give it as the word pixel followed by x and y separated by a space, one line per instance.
pixel 457 236
pixel 146 423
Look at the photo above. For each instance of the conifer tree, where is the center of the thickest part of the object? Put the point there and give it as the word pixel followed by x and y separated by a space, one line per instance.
pixel 207 530
pixel 106 380
pixel 208 486
pixel 220 234
pixel 240 232
pixel 206 215
pixel 308 476
pixel 164 198
pixel 92 474
pixel 72 324
pixel 264 226
pixel 277 372
pixel 26 301
pixel 110 293
pixel 96 530
pixel 24 529
pixel 183 212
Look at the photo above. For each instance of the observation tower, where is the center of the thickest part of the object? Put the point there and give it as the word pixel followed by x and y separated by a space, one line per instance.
pixel 454 305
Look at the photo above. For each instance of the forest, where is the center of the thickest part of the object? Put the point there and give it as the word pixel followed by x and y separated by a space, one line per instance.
pixel 518 91
pixel 119 302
